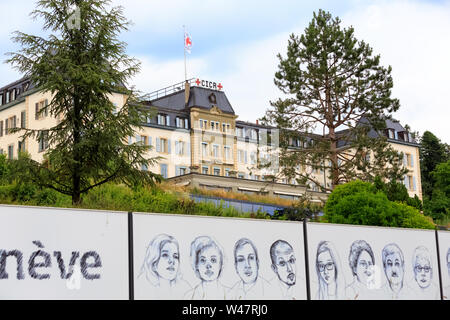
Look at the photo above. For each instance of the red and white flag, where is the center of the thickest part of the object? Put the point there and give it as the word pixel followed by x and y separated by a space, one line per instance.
pixel 187 42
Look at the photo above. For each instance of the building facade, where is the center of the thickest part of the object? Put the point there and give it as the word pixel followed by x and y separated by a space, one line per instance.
pixel 198 136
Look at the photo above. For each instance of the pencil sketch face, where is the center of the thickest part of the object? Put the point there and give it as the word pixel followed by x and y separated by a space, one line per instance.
pixel 209 264
pixel 167 265
pixel 285 266
pixel 246 263
pixel 326 267
pixel 394 268
pixel 364 267
pixel 422 272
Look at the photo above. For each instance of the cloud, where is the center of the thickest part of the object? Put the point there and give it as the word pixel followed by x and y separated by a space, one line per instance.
pixel 414 39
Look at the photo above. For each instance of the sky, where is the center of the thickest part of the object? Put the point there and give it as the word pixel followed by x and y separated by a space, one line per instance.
pixel 236 43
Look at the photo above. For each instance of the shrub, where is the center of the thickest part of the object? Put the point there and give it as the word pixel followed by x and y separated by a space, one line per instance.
pixel 359 203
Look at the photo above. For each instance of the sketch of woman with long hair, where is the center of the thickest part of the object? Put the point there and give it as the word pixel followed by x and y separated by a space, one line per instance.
pixel 207 263
pixel 161 268
pixel 329 273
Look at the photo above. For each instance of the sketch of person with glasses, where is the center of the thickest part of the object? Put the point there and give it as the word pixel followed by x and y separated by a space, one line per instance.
pixel 394 270
pixel 329 272
pixel 207 263
pixel 246 263
pixel 161 269
pixel 366 276
pixel 284 266
pixel 423 287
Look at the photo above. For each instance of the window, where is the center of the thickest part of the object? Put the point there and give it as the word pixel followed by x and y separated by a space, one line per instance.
pixel 205 170
pixel 40 106
pixel 203 124
pixel 253 158
pixel 13 94
pixel 164 145
pixel 253 134
pixel 204 149
pixel 143 140
pixel 227 152
pixel 216 171
pixel 23 119
pixel 215 150
pixel 10 151
pixel 181 122
pixel 179 147
pixel 144 167
pixel 239 132
pixel 1 99
pixel 164 170
pixel 21 146
pixel 163 120
pixel 1 128
pixel 7 97
pixel 242 156
pixel 43 140
pixel 10 123
pixel 182 171
pixel 227 172
pixel 241 175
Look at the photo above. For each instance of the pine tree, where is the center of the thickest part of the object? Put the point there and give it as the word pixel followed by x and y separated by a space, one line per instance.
pixel 82 63
pixel 336 93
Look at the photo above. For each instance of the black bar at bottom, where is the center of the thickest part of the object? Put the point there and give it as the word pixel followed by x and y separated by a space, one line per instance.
pixel 130 256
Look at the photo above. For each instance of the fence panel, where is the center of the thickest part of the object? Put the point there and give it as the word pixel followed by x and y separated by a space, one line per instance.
pixel 359 262
pixel 193 252
pixel 48 253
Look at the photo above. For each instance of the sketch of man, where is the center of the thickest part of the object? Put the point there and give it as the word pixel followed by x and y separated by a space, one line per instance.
pixel 246 262
pixel 423 287
pixel 394 269
pixel 283 264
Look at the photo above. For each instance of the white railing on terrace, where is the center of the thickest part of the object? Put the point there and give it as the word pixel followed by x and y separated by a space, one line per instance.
pixel 170 89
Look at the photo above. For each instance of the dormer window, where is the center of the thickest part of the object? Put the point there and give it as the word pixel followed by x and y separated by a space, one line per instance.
pixel 163 120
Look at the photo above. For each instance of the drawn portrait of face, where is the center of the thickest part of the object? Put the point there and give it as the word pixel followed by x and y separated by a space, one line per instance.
pixel 422 267
pixel 167 265
pixel 283 262
pixel 246 261
pixel 393 264
pixel 326 267
pixel 209 263
pixel 364 267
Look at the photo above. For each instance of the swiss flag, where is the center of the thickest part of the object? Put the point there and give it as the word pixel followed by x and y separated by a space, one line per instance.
pixel 187 42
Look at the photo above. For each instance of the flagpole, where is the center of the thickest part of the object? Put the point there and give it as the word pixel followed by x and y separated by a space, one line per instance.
pixel 184 46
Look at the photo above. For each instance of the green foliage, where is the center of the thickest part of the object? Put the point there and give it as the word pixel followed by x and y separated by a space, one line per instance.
pixel 438 206
pixel 396 191
pixel 432 153
pixel 360 203
pixel 116 197
pixel 82 65
pixel 333 81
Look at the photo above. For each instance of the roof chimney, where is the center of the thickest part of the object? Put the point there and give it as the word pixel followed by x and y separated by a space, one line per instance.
pixel 257 121
pixel 187 90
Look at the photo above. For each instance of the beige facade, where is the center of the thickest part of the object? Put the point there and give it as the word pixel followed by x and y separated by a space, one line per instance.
pixel 201 137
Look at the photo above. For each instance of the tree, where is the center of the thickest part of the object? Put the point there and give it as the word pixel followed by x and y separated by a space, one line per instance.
pixel 334 85
pixel 81 64
pixel 432 153
pixel 438 205
pixel 360 203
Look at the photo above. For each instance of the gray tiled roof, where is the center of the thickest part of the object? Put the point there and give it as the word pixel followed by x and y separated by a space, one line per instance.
pixel 199 97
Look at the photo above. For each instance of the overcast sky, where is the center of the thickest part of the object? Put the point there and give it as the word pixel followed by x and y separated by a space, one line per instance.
pixel 236 43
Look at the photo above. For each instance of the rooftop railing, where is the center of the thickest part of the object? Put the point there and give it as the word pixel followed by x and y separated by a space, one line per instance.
pixel 170 89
